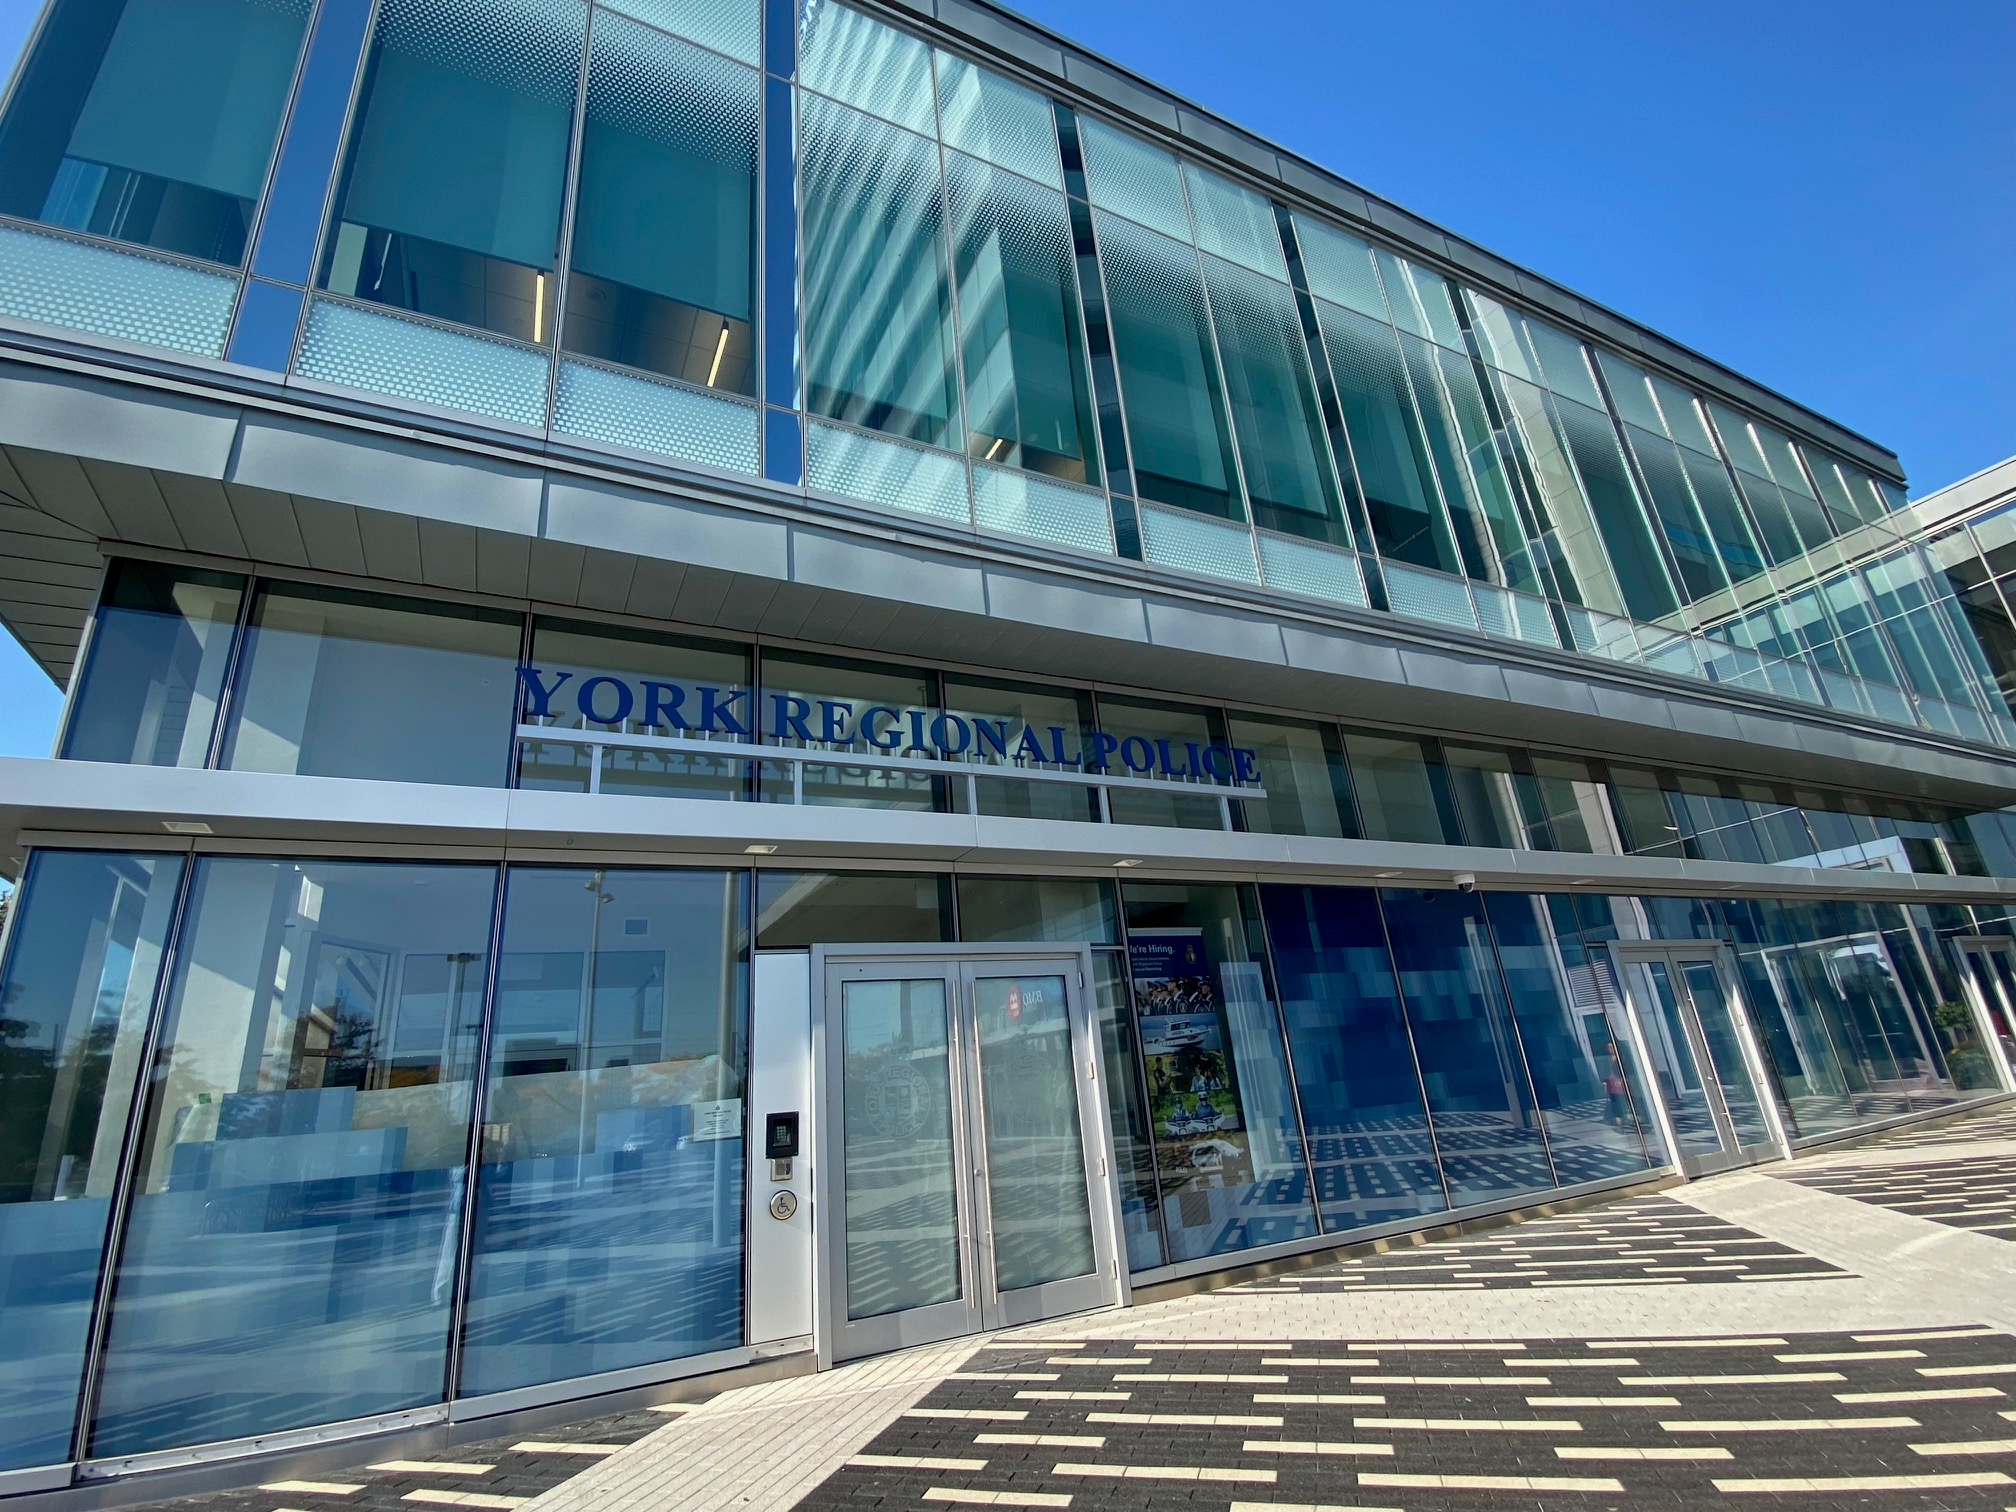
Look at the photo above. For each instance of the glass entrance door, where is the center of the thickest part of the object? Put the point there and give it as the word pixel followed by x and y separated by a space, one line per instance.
pixel 1711 1082
pixel 1990 975
pixel 967 1183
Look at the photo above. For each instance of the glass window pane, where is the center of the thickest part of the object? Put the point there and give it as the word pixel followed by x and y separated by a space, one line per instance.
pixel 1570 540
pixel 1573 813
pixel 734 27
pixel 1028 397
pixel 1476 430
pixel 1127 1112
pixel 1154 723
pixel 1564 362
pixel 867 706
pixel 1693 551
pixel 1387 442
pixel 340 684
pixel 661 268
pixel 871 66
pixel 1169 382
pixel 658 685
pixel 1487 795
pixel 1127 176
pixel 1613 499
pixel 997 119
pixel 1275 415
pixel 155 671
pixel 450 199
pixel 608 1227
pixel 1065 910
pixel 306 1136
pixel 1057 718
pixel 1302 768
pixel 1395 789
pixel 1593 1130
pixel 878 302
pixel 151 121
pixel 796 910
pixel 78 990
pixel 1235 223
pixel 1478 1097
pixel 1339 267
pixel 1354 1063
pixel 1227 1146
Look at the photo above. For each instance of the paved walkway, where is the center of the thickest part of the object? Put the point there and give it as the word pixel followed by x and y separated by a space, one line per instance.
pixel 1809 1336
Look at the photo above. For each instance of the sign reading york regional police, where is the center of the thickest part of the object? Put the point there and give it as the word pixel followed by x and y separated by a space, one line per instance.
pixel 677 709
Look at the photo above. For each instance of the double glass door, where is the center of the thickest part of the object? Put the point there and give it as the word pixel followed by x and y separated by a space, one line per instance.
pixel 966 1181
pixel 1689 1020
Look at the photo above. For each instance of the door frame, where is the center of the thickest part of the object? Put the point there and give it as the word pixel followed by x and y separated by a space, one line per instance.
pixel 1095 1122
pixel 1627 953
pixel 1976 990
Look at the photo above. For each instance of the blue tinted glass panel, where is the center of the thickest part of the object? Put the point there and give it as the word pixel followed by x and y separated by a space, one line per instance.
pixel 1367 1127
pixel 79 989
pixel 662 265
pixel 151 121
pixel 340 684
pixel 306 1136
pixel 1227 1151
pixel 263 334
pixel 450 200
pixel 608 1227
pixel 1577 1071
pixel 155 672
pixel 1485 1121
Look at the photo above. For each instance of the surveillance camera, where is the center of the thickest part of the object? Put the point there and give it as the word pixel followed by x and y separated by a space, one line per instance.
pixel 1465 881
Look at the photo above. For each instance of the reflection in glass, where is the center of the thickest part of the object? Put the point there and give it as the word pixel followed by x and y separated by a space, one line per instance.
pixel 1039 709
pixel 1576 1068
pixel 1228 1149
pixel 1127 1112
pixel 1716 1015
pixel 155 671
pixel 76 994
pixel 1674 1061
pixel 828 703
pixel 608 1228
pixel 451 192
pixel 1478 1095
pixel 1028 397
pixel 796 910
pixel 898 1162
pixel 663 676
pixel 1146 726
pixel 306 1136
pixel 1038 1205
pixel 661 264
pixel 1302 768
pixel 1397 787
pixel 1369 1140
pixel 878 301
pixel 151 121
pixel 335 683
pixel 1064 910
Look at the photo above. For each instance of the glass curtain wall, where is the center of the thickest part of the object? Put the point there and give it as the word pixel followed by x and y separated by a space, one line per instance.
pixel 152 122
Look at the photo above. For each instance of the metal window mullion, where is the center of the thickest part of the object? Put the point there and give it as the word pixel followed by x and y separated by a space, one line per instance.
pixel 479 1105
pixel 235 665
pixel 1072 209
pixel 119 1209
pixel 1217 364
pixel 570 204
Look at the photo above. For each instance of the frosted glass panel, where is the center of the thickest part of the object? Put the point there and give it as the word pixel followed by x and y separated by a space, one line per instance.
pixel 655 417
pixel 844 54
pixel 1019 504
pixel 1176 538
pixel 993 118
pixel 888 473
pixel 734 27
pixel 1235 223
pixel 1299 567
pixel 1428 595
pixel 1130 178
pixel 64 283
pixel 424 363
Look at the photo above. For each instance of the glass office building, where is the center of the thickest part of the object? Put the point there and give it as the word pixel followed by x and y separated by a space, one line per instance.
pixel 685 616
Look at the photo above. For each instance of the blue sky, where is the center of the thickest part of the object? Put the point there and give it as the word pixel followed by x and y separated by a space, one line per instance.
pixel 1819 195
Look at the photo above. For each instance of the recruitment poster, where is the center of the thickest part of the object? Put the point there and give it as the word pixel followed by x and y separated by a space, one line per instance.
pixel 1192 1098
